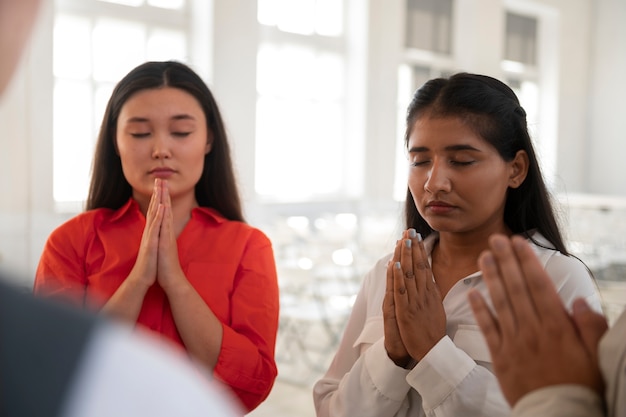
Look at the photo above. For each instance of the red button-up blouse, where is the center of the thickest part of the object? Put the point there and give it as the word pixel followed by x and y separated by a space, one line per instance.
pixel 230 264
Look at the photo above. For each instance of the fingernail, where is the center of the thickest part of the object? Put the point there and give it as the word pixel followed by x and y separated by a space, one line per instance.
pixel 498 243
pixel 419 237
pixel 407 242
pixel 397 265
pixel 412 233
pixel 487 258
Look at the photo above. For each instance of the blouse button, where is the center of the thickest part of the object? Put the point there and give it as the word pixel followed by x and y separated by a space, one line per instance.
pixel 467 281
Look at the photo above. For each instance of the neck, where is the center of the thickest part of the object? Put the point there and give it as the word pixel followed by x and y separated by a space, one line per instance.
pixel 465 248
pixel 181 210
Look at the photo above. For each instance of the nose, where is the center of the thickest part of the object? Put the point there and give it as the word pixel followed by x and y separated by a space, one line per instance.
pixel 160 147
pixel 438 179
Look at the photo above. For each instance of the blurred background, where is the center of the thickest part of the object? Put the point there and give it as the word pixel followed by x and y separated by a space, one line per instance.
pixel 314 94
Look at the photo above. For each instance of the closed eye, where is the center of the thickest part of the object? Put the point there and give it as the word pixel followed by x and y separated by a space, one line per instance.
pixel 181 134
pixel 140 135
pixel 461 163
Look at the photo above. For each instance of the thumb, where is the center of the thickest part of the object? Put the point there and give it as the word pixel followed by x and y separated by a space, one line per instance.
pixel 590 324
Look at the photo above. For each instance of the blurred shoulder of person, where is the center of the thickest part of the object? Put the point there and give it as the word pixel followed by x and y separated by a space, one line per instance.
pixel 57 361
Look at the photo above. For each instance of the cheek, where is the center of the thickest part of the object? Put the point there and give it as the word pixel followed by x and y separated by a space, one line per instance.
pixel 416 182
pixel 130 158
pixel 490 187
pixel 196 161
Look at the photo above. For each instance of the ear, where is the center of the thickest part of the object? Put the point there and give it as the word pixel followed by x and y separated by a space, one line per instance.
pixel 518 169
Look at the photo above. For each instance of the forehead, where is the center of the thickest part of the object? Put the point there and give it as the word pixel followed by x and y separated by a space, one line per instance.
pixel 161 102
pixel 442 132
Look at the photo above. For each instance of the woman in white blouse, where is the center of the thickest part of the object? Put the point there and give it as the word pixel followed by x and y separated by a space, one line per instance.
pixel 412 346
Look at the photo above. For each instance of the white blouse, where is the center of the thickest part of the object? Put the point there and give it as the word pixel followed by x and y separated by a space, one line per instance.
pixel 454 378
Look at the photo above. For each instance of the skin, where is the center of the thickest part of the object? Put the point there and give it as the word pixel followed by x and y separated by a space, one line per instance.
pixel 162 140
pixel 526 309
pixel 17 18
pixel 459 184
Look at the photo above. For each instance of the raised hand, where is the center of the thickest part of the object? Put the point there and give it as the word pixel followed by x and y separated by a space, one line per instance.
pixel 145 268
pixel 127 300
pixel 533 341
pixel 169 271
pixel 420 314
pixel 415 319
pixel 393 341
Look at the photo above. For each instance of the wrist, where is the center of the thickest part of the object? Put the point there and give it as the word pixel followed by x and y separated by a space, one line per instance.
pixel 175 286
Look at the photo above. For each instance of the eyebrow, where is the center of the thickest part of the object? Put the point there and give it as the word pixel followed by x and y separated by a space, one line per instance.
pixel 451 148
pixel 138 119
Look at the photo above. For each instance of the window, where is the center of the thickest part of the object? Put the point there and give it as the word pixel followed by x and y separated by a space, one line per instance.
pixel 520 60
pixel 520 64
pixel 429 25
pixel 428 54
pixel 530 62
pixel 96 42
pixel 301 101
pixel 521 39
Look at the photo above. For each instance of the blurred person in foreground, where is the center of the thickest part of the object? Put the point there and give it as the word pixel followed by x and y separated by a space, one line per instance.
pixel 548 362
pixel 55 361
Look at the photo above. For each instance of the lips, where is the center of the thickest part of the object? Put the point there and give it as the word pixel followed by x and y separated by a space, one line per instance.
pixel 162 172
pixel 439 207
pixel 438 204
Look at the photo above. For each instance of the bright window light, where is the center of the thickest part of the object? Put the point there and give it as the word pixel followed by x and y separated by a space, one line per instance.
pixel 72 143
pixel 167 4
pixel 118 46
pixel 304 17
pixel 133 3
pixel 72 47
pixel 94 46
pixel 300 122
pixel 166 45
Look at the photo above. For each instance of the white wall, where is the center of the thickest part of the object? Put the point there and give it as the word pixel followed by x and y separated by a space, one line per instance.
pixel 606 138
pixel 26 212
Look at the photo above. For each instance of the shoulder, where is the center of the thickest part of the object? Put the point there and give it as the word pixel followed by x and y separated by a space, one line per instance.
pixel 555 261
pixel 570 275
pixel 57 349
pixel 163 382
pixel 88 222
pixel 612 356
pixel 83 221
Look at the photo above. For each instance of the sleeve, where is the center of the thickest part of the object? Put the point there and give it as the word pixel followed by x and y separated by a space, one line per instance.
pixel 451 383
pixel 61 271
pixel 362 380
pixel 246 361
pixel 560 401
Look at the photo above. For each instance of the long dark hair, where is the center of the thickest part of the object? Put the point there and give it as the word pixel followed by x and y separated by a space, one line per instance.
pixel 493 111
pixel 217 187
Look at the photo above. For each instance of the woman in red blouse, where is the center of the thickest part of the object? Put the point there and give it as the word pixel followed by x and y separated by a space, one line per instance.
pixel 163 242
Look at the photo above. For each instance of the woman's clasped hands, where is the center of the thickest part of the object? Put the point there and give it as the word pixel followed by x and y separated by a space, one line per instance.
pixel 157 260
pixel 414 317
